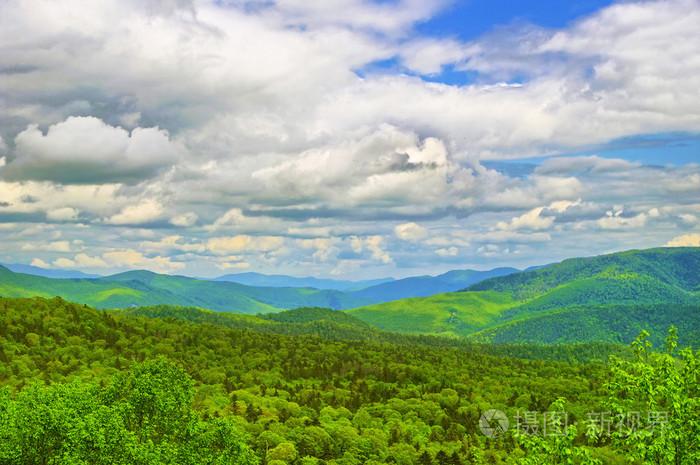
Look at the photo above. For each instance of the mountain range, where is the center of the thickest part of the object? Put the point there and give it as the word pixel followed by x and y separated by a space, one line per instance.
pixel 138 288
pixel 608 298
pixel 605 298
pixel 278 280
pixel 48 273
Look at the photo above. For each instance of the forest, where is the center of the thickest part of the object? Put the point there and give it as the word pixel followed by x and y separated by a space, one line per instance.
pixel 167 385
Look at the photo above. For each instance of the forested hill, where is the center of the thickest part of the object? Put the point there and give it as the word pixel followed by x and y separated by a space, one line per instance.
pixel 139 287
pixel 670 269
pixel 84 386
pixel 606 298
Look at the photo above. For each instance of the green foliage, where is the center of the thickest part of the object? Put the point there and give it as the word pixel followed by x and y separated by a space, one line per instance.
pixel 613 323
pixel 558 445
pixel 331 325
pixel 144 417
pixel 184 385
pixel 335 400
pixel 665 385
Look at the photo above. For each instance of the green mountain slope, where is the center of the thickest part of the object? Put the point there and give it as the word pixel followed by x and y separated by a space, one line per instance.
pixel 677 267
pixel 141 288
pixel 603 298
pixel 611 323
pixel 341 326
pixel 454 314
pixel 219 295
pixel 144 288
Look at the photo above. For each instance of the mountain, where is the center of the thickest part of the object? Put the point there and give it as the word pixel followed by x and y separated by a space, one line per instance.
pixel 56 274
pixel 276 280
pixel 422 286
pixel 138 288
pixel 604 298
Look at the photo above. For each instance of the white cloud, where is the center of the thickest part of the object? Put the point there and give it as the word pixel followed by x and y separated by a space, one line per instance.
pixel 86 150
pixel 174 243
pixel 616 219
pixel 184 220
pixel 447 252
pixel 55 246
pixel 298 134
pixel 374 244
pixel 410 232
pixel 84 260
pixel 121 259
pixel 429 56
pixel 40 263
pixel 244 244
pixel 235 265
pixel 532 220
pixel 63 263
pixel 324 247
pixel 145 212
pixel 63 214
pixel 685 240
pixel 132 259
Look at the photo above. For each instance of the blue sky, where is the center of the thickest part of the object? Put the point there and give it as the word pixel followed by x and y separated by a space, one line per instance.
pixel 345 138
pixel 470 19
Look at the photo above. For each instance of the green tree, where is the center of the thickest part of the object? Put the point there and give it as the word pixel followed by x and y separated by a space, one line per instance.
pixel 665 386
pixel 555 443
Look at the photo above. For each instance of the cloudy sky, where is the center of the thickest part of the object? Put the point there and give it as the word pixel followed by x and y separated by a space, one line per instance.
pixel 347 138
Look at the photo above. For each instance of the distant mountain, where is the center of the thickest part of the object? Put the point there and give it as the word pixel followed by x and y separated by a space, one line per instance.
pixel 265 280
pixel 423 286
pixel 604 298
pixel 56 274
pixel 138 288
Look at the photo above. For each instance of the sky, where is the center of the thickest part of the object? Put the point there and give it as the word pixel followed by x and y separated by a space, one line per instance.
pixel 345 138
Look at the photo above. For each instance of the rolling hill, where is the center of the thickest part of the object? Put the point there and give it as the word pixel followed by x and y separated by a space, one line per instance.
pixel 604 298
pixel 139 288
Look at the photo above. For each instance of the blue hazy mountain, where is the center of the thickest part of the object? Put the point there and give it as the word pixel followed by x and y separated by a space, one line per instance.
pixel 278 280
pixel 423 286
pixel 46 273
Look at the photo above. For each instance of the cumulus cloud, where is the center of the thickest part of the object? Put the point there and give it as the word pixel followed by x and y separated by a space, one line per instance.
pixel 147 211
pixel 685 240
pixel 410 231
pixel 184 220
pixel 54 246
pixel 121 259
pixel 63 214
pixel 299 137
pixel 244 244
pixel 85 150
pixel 324 247
pixel 373 244
pixel 447 252
pixel 40 263
pixel 618 219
